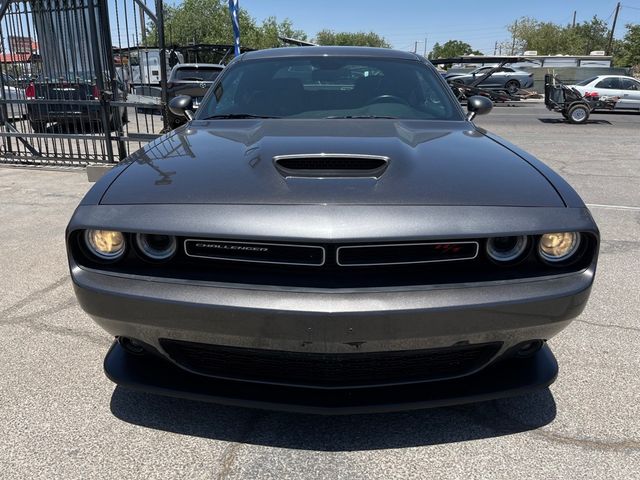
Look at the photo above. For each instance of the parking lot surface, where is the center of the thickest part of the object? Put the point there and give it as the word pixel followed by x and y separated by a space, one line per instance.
pixel 61 418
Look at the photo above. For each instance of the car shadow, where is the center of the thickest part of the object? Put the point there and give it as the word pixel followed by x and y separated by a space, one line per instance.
pixel 339 433
pixel 562 120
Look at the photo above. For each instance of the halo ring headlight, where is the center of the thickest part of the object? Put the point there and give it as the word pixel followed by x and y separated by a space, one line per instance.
pixel 156 247
pixel 558 247
pixel 105 244
pixel 507 249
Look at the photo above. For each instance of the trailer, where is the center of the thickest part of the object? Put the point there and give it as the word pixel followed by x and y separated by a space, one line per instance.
pixel 569 102
pixel 464 91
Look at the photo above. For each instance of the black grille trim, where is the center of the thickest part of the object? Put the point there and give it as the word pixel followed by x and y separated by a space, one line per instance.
pixel 330 370
pixel 406 253
pixel 255 252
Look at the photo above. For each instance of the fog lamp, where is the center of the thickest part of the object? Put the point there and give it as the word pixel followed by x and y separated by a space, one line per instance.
pixel 105 244
pixel 556 247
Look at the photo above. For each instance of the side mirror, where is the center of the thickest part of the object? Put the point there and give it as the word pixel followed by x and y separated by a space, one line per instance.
pixel 182 106
pixel 478 105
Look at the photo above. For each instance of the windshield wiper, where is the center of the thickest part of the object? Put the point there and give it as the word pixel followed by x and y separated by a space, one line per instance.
pixel 362 116
pixel 238 115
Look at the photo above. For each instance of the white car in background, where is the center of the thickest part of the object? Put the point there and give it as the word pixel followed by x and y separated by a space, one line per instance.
pixel 627 88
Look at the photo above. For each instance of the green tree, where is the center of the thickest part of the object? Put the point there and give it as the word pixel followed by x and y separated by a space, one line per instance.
pixel 271 29
pixel 589 36
pixel 362 39
pixel 452 48
pixel 627 50
pixel 549 38
pixel 209 21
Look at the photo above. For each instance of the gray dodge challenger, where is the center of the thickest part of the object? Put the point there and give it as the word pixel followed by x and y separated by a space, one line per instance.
pixel 331 233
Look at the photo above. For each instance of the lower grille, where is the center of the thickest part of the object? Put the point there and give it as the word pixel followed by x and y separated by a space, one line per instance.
pixel 330 370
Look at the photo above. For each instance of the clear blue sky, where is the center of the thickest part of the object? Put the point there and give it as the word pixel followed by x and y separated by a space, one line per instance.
pixel 477 22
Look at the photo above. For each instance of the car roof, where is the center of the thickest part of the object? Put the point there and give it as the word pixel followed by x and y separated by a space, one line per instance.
pixel 199 65
pixel 614 75
pixel 329 52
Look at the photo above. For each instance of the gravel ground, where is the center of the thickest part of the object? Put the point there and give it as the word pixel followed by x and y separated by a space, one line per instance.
pixel 61 418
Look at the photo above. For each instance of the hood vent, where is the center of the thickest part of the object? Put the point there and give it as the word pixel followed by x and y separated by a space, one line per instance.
pixel 331 165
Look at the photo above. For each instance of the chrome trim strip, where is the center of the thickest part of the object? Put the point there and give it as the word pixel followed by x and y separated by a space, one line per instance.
pixel 324 253
pixel 477 245
pixel 330 155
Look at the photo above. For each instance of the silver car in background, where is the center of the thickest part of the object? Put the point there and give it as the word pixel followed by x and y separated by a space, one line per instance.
pixel 193 79
pixel 507 78
pixel 627 88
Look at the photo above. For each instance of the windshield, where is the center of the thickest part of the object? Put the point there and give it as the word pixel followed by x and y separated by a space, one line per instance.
pixel 586 82
pixel 196 74
pixel 330 87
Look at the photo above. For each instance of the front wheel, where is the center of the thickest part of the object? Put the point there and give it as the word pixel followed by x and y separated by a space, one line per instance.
pixel 512 86
pixel 578 114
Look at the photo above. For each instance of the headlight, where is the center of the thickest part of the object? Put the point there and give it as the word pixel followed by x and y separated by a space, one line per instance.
pixel 156 247
pixel 556 247
pixel 506 249
pixel 105 244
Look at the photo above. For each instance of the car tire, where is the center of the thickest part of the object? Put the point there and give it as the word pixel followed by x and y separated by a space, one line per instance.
pixel 512 86
pixel 578 114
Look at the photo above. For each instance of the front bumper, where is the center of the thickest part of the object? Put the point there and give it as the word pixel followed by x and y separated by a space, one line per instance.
pixel 504 379
pixel 325 321
pixel 333 322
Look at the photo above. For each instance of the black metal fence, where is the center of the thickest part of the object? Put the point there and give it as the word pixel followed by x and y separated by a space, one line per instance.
pixel 81 81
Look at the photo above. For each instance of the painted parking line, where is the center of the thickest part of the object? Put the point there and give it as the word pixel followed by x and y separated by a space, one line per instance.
pixel 613 207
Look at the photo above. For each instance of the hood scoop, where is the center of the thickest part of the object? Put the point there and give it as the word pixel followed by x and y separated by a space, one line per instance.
pixel 331 165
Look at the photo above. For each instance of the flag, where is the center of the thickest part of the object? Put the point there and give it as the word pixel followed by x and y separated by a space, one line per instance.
pixel 233 8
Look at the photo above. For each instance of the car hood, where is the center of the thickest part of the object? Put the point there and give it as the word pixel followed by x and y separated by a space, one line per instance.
pixel 231 162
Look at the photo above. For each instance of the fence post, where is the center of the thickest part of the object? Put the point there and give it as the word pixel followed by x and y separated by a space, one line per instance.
pixel 97 61
pixel 108 47
pixel 163 61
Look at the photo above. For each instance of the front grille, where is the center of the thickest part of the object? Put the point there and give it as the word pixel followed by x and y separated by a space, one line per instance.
pixel 333 370
pixel 365 255
pixel 332 265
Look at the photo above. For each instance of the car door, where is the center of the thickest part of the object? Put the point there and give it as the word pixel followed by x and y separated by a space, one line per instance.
pixel 630 94
pixel 610 87
pixel 495 80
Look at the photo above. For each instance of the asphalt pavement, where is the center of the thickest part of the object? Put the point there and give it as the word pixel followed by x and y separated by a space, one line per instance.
pixel 61 418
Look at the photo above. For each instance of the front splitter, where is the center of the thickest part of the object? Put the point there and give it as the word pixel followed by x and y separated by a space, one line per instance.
pixel 503 379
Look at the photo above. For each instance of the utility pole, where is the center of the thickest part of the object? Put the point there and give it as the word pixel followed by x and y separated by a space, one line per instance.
pixel 415 47
pixel 573 24
pixel 613 27
pixel 513 42
pixel 495 48
pixel 425 47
